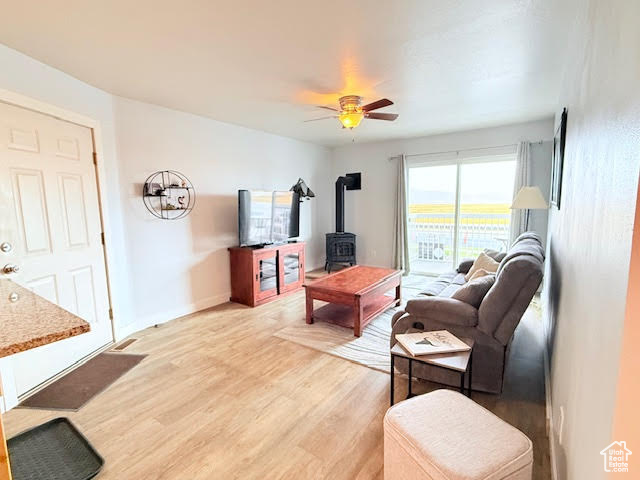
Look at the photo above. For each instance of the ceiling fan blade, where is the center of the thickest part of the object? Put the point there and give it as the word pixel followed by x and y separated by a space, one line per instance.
pixel 321 118
pixel 328 108
pixel 382 116
pixel 383 102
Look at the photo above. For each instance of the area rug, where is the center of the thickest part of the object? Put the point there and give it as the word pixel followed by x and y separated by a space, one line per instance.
pixel 370 350
pixel 77 387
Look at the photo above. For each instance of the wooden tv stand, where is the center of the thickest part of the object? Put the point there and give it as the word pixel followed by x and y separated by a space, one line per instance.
pixel 261 275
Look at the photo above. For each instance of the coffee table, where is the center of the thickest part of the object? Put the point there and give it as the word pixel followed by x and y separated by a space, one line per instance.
pixel 356 295
pixel 460 362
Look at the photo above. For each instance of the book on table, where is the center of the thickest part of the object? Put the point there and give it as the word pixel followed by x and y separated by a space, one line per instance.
pixel 425 343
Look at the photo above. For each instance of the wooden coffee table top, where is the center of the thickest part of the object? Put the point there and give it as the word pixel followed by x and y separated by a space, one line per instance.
pixel 356 280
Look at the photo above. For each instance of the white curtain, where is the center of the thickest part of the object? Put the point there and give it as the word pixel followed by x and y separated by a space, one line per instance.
pixel 519 217
pixel 400 231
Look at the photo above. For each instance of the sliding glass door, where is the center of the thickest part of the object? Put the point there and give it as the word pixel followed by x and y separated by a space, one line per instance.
pixel 432 202
pixel 457 209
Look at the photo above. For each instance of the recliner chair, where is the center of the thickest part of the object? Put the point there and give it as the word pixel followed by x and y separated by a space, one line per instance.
pixel 491 325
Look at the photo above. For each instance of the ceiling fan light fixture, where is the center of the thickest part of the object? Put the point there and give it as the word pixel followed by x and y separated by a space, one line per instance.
pixel 350 119
pixel 352 112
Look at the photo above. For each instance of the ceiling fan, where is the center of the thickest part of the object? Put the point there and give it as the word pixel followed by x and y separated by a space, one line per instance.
pixel 351 112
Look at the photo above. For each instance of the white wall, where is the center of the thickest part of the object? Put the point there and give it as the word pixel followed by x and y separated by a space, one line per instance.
pixel 589 241
pixel 183 266
pixel 159 269
pixel 369 213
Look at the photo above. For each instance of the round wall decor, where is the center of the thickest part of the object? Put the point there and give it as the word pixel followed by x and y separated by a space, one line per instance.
pixel 168 195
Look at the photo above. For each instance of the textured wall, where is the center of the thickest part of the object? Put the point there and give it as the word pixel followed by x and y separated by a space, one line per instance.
pixel 589 240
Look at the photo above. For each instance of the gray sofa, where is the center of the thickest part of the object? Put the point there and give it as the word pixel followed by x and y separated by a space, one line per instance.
pixel 491 325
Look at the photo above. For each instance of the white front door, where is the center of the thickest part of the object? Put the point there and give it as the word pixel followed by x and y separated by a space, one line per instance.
pixel 50 221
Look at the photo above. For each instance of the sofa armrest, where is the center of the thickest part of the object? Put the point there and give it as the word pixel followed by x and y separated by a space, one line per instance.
pixel 443 309
pixel 465 265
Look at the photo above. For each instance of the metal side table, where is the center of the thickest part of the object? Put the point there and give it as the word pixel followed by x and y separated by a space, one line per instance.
pixel 460 362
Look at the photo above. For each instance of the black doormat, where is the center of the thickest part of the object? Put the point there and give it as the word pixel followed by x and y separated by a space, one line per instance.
pixel 55 450
pixel 77 387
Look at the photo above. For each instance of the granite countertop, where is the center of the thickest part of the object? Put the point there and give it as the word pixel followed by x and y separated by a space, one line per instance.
pixel 28 320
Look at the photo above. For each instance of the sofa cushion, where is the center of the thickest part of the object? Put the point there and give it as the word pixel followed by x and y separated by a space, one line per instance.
pixel 505 303
pixel 444 309
pixel 484 262
pixel 450 290
pixel 524 247
pixel 435 287
pixel 474 291
pixel 528 236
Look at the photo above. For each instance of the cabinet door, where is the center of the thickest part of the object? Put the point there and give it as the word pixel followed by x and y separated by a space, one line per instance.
pixel 291 259
pixel 265 269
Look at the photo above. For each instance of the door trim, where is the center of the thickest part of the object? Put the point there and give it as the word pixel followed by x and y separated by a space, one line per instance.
pixel 37 106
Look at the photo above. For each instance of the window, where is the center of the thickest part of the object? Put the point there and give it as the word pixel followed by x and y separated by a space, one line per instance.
pixel 457 209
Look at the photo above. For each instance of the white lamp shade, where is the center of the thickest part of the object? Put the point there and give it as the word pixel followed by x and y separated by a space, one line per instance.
pixel 529 198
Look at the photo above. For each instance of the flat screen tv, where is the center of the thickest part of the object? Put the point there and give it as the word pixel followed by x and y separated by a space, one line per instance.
pixel 267 217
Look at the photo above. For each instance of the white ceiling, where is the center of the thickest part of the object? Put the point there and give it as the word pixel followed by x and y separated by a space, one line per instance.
pixel 448 65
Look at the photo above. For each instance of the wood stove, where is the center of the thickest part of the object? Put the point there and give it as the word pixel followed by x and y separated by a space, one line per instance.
pixel 341 248
pixel 341 245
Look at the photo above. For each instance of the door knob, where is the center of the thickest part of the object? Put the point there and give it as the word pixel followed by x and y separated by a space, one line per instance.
pixel 8 268
pixel 5 247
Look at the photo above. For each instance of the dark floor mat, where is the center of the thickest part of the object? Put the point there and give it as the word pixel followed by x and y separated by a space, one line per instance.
pixel 55 450
pixel 79 386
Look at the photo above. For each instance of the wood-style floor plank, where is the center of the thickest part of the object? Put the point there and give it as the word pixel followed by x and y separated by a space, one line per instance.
pixel 220 397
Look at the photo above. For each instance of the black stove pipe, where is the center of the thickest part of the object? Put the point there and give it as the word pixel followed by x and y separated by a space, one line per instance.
pixel 341 183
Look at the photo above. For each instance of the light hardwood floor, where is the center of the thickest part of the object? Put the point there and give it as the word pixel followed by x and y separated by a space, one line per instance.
pixel 219 397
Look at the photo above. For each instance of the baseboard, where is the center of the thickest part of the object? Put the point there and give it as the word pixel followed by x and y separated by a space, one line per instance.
pixel 166 316
pixel 549 406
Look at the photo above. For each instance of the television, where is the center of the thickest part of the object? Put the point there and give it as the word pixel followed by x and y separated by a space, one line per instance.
pixel 267 217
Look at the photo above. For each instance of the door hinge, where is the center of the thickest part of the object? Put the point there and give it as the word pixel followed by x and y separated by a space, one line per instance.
pixel 111 313
pixel 95 158
pixel 102 237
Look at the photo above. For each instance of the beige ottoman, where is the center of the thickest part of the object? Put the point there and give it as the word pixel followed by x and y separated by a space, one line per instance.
pixel 443 435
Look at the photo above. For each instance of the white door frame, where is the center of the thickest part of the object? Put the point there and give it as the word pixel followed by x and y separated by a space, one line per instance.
pixel 10 397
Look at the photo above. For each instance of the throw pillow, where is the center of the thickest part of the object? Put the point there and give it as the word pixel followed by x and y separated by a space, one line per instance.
pixel 479 273
pixel 474 291
pixel 484 262
pixel 465 265
pixel 496 255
